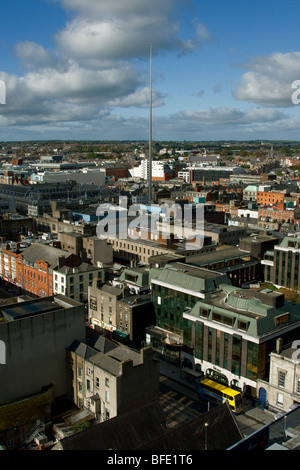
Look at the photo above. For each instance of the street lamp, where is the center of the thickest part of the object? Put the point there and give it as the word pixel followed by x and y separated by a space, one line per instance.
pixel 205 435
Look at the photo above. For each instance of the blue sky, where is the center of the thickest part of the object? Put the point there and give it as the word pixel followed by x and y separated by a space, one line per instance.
pixel 77 69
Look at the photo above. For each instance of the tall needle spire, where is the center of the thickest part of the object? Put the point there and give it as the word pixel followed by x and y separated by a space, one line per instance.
pixel 150 135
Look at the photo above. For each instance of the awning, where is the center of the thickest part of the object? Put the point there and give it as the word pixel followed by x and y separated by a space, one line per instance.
pixel 120 333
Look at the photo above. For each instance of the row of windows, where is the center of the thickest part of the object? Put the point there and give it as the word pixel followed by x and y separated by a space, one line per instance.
pixel 33 275
pixel 222 349
pixel 33 284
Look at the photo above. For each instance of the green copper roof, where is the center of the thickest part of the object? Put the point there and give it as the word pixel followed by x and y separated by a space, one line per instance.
pixel 259 317
pixel 182 276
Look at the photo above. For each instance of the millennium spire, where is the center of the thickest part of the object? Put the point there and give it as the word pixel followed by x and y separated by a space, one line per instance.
pixel 150 135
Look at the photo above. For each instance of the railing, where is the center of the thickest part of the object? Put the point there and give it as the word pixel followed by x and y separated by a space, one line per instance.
pixel 39 426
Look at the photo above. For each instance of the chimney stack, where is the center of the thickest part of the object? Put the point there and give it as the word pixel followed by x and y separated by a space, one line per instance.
pixel 60 261
pixel 279 345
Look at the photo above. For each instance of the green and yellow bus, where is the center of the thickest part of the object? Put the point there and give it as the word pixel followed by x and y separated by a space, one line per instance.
pixel 220 393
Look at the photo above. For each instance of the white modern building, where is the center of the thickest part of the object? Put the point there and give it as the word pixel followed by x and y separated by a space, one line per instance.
pixel 160 170
pixel 85 176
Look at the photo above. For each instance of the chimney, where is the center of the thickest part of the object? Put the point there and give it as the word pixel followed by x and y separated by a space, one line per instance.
pixel 60 261
pixel 278 345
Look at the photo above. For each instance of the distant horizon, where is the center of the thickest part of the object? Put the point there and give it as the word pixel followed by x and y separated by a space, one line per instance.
pixel 216 141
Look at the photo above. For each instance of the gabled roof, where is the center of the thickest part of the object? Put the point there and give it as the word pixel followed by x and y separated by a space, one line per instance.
pixel 145 429
pixel 49 254
pixel 217 429
pixel 124 432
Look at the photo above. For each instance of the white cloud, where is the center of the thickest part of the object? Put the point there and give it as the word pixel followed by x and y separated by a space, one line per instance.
pixel 140 98
pixel 90 71
pixel 269 80
pixel 33 55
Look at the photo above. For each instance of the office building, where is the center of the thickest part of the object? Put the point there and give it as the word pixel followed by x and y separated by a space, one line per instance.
pixel 36 334
pixel 219 329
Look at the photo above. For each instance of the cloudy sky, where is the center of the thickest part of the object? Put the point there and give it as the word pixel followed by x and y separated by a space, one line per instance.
pixel 79 69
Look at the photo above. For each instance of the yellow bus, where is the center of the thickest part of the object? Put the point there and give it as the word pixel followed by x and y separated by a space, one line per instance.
pixel 220 393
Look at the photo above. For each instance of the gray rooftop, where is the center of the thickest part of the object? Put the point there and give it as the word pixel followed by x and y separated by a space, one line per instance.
pixel 40 252
pixel 110 358
pixel 217 255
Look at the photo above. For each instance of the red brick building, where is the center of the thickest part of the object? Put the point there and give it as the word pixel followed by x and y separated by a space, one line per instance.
pixel 32 269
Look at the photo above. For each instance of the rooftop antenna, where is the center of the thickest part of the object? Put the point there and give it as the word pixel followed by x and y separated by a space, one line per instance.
pixel 150 135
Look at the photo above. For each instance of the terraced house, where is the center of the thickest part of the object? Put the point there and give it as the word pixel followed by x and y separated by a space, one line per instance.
pixel 34 268
pixel 218 329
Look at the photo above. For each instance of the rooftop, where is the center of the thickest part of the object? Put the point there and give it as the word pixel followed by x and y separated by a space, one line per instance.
pixel 110 357
pixel 49 254
pixel 214 256
pixel 192 278
pixel 257 309
pixel 36 307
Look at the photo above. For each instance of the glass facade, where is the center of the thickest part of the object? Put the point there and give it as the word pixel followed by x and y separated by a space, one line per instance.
pixel 169 306
pixel 187 332
pixel 236 355
pixel 198 340
pixel 252 361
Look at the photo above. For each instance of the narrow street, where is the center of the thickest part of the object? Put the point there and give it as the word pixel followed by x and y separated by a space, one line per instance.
pixel 180 404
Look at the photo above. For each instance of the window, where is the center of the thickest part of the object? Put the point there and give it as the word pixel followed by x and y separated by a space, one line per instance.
pixel 280 399
pixel 204 312
pixel 106 382
pixel 10 444
pixel 107 396
pixel 242 325
pixel 97 382
pixel 223 319
pixel 281 379
pixel 88 385
pixel 79 371
pixel 282 319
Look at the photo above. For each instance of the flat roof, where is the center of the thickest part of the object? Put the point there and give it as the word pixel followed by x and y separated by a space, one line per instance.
pixel 218 255
pixel 27 309
pixel 37 307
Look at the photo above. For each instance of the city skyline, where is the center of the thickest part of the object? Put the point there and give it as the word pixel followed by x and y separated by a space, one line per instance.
pixel 80 70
